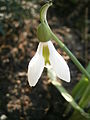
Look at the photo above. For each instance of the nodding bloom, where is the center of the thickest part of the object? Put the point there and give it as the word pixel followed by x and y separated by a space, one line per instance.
pixel 47 54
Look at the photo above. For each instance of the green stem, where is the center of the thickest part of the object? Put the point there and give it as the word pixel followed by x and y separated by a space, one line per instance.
pixel 73 58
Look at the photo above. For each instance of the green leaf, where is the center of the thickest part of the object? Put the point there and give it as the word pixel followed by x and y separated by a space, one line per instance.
pixel 65 93
pixel 79 89
pixel 69 98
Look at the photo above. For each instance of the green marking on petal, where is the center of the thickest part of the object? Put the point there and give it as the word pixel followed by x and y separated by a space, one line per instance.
pixel 46 54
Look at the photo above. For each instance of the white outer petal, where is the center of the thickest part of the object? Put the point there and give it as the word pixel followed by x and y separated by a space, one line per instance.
pixel 36 66
pixel 58 63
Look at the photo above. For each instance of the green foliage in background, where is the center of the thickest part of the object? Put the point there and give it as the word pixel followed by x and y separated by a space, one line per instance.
pixel 81 93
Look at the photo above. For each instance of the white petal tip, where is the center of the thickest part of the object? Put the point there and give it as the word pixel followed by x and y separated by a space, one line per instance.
pixel 66 77
pixel 31 82
pixel 32 85
pixel 66 74
pixel 67 80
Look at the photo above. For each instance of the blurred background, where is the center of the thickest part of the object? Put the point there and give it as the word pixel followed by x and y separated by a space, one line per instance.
pixel 19 19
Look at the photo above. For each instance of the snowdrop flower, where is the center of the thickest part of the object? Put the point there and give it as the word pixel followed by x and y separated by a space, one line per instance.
pixel 46 54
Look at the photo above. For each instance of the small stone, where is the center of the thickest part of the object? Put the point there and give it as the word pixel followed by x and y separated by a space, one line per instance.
pixel 3 117
pixel 8 95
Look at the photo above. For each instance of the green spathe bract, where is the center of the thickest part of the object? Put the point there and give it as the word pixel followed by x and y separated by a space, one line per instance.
pixel 43 32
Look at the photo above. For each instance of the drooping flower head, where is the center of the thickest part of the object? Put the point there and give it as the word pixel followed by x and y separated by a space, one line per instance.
pixel 46 54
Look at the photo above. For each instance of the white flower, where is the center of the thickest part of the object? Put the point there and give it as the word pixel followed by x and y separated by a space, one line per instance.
pixel 46 54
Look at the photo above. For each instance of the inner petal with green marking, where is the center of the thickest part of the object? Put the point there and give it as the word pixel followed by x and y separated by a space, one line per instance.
pixel 46 54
